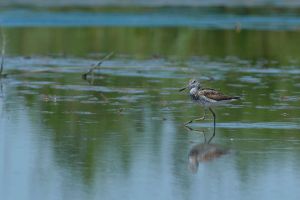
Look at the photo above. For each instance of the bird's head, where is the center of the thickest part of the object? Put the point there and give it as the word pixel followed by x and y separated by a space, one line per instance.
pixel 193 83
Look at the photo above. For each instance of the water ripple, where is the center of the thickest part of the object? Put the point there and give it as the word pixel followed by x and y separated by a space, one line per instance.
pixel 255 125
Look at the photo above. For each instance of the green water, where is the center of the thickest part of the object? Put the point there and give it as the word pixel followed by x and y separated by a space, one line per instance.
pixel 120 133
pixel 275 48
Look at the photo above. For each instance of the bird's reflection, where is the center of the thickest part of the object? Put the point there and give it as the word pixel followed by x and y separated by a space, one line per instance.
pixel 203 152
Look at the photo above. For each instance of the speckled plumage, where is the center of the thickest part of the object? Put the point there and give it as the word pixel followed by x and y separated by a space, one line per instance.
pixel 209 97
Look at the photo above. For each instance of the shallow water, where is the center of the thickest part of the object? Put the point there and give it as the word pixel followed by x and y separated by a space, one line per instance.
pixel 120 134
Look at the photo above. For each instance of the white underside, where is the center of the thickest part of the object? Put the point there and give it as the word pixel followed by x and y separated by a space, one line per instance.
pixel 212 103
pixel 206 102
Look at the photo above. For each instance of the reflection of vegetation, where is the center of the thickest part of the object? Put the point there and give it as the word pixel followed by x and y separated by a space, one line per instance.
pixel 271 46
pixel 3 43
pixel 91 135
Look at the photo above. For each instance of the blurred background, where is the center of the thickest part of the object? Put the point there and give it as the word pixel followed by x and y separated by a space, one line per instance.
pixel 246 29
pixel 118 132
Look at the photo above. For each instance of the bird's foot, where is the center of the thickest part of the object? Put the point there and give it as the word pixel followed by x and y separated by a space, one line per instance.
pixel 197 119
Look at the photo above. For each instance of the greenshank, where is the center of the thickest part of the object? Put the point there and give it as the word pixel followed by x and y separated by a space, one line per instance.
pixel 206 97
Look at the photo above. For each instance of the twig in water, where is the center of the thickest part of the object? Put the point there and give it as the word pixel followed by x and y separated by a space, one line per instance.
pixel 97 66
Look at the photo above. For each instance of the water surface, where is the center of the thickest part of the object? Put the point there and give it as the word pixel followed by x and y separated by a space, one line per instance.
pixel 120 134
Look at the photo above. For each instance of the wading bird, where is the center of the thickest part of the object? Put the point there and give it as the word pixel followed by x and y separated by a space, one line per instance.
pixel 206 97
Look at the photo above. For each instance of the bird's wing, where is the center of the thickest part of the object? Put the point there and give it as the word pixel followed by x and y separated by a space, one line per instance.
pixel 215 95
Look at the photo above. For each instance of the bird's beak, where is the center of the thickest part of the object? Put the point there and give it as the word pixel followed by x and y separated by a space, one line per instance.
pixel 182 89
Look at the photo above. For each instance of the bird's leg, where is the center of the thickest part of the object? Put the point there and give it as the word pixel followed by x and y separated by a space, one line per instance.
pixel 197 119
pixel 214 115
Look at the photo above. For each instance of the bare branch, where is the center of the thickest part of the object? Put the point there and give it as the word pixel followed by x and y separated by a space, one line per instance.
pixel 97 66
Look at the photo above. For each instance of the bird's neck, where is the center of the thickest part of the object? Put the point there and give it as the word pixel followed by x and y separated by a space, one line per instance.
pixel 194 90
